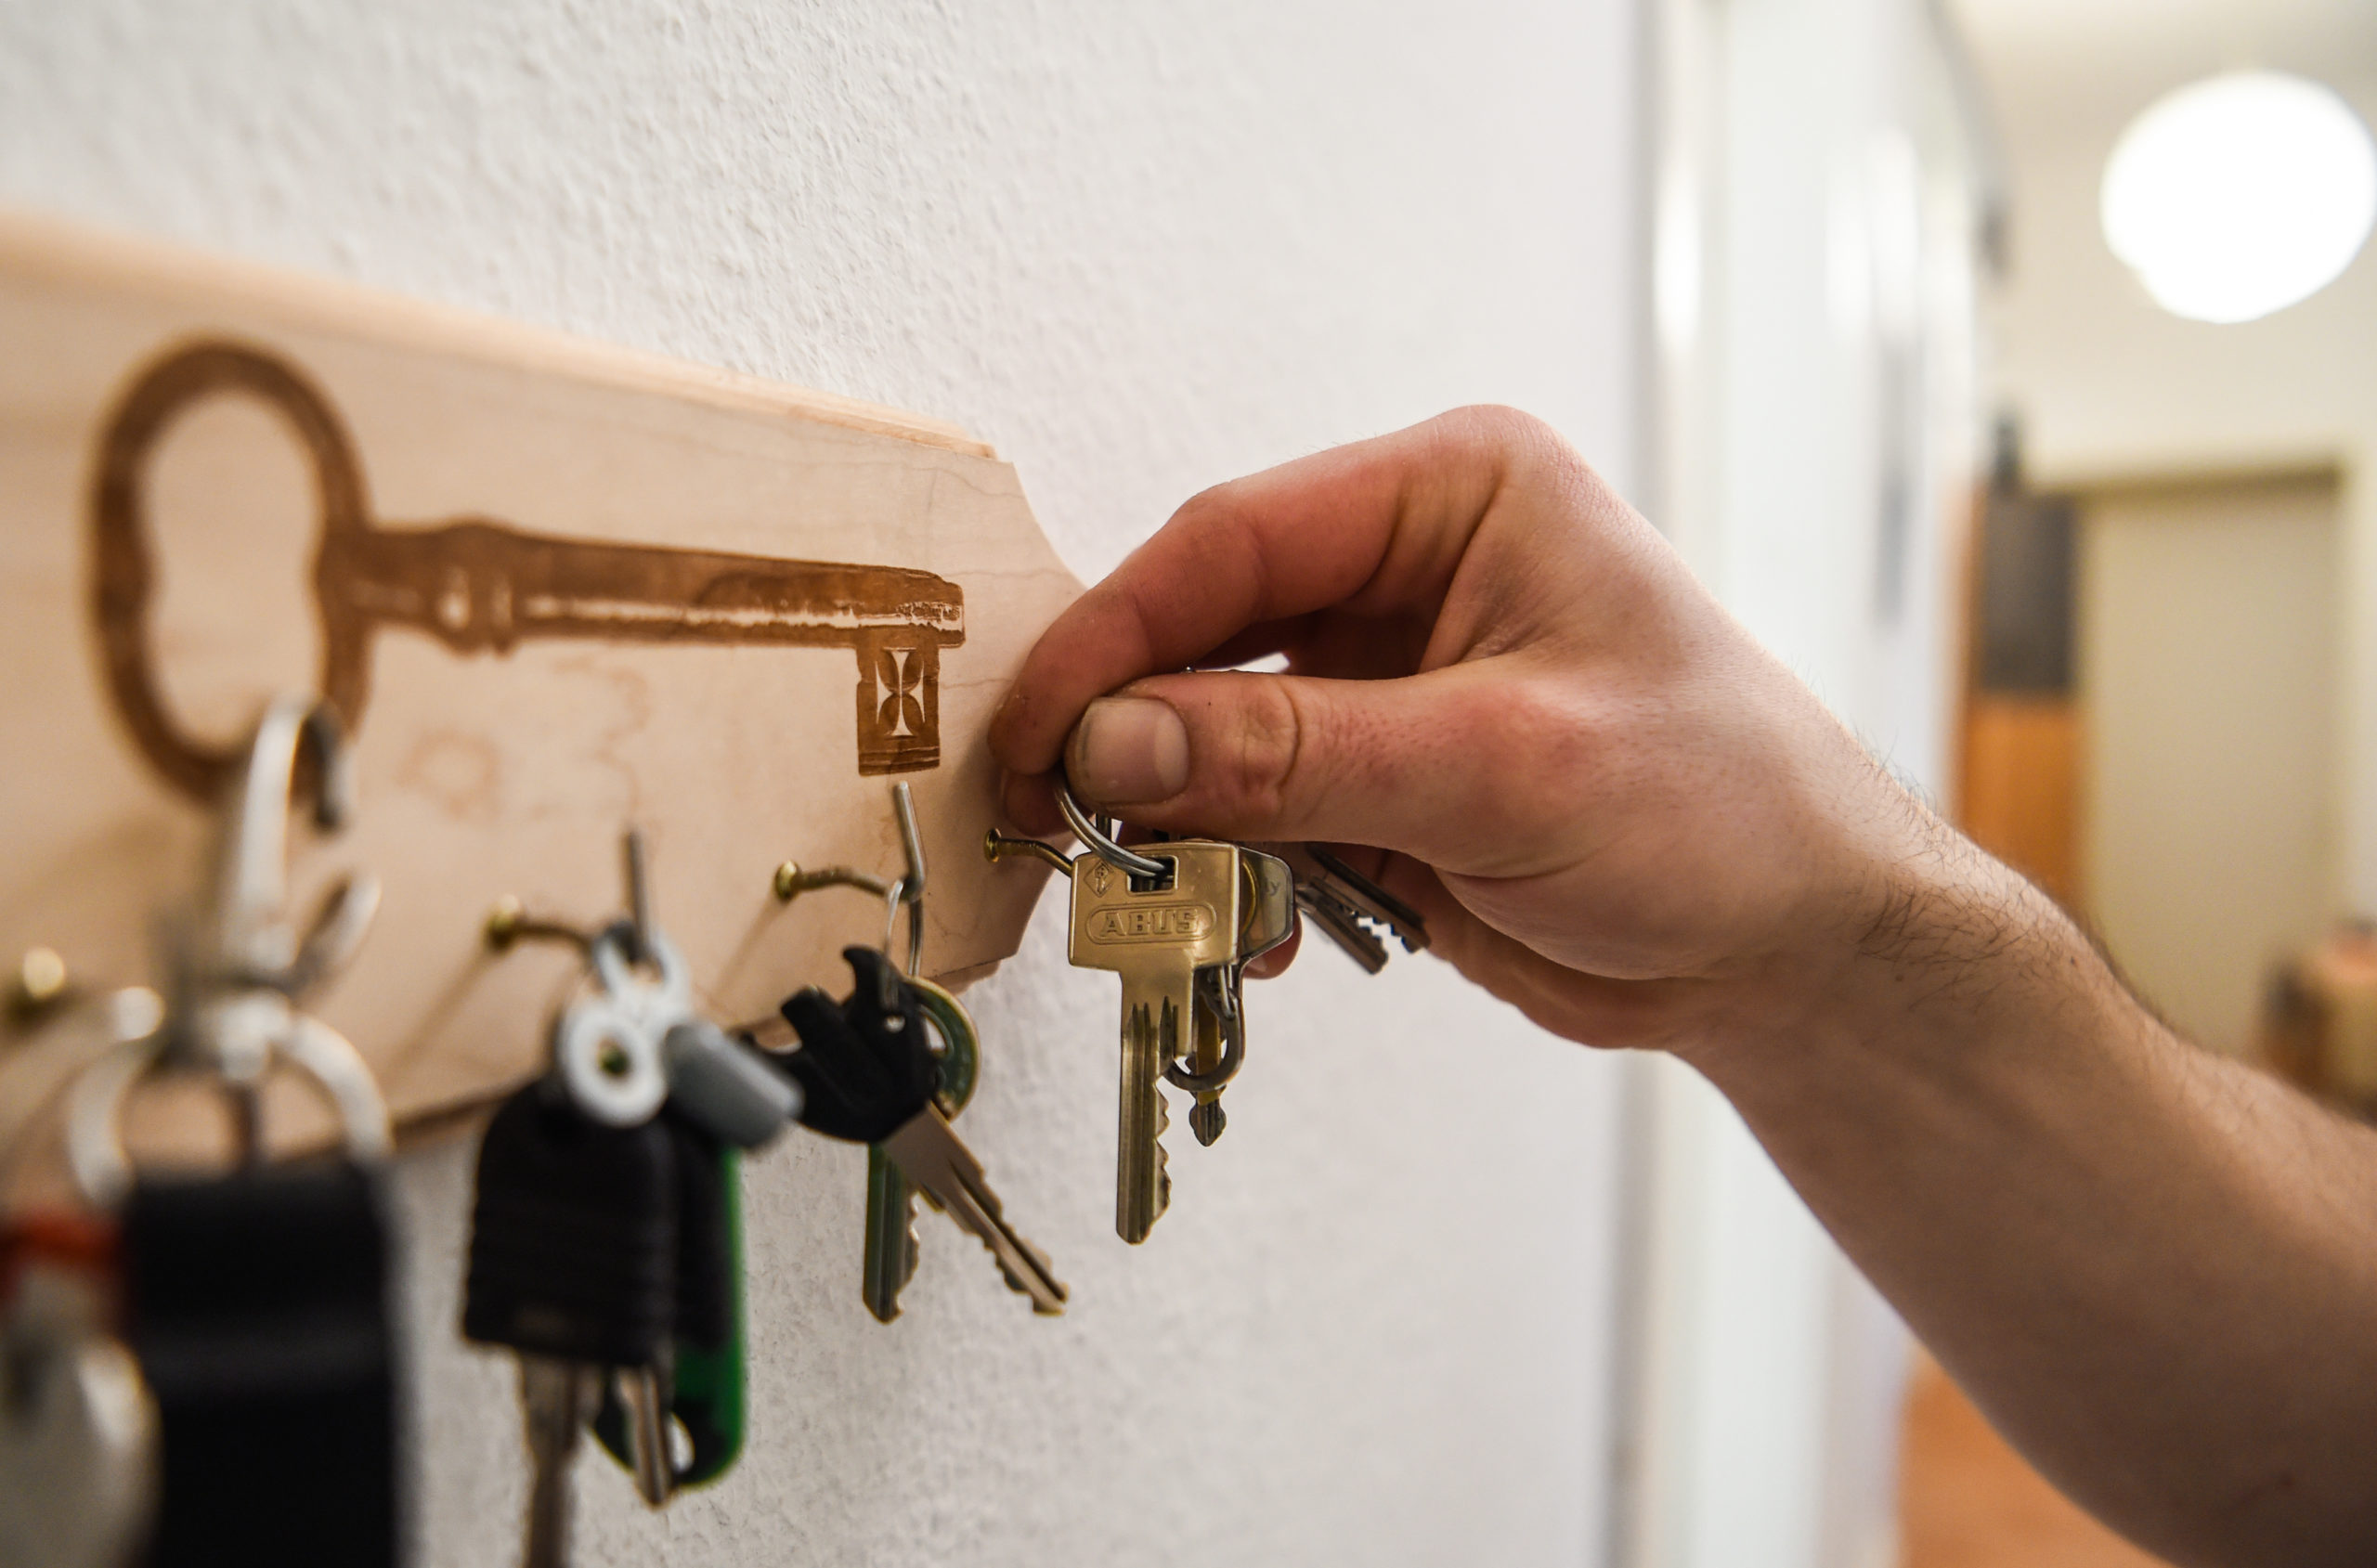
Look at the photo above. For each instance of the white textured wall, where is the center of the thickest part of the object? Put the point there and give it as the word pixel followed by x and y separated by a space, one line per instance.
pixel 1142 248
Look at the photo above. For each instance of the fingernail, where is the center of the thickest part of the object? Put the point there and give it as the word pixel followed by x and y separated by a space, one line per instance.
pixel 1128 751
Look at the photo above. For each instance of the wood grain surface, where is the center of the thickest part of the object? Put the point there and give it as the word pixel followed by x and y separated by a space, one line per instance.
pixel 562 589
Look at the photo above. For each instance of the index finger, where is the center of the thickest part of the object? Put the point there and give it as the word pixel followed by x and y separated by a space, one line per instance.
pixel 1374 527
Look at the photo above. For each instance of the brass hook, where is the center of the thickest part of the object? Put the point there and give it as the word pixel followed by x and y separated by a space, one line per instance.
pixel 508 920
pixel 997 846
pixel 39 986
pixel 790 881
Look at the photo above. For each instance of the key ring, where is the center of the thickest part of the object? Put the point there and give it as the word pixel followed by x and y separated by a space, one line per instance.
pixel 1094 834
pixel 607 1046
pixel 960 1047
pixel 1233 1022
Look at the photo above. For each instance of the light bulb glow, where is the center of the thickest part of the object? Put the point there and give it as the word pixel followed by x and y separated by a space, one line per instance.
pixel 2240 195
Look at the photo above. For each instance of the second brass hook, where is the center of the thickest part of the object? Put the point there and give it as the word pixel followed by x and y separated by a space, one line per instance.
pixel 792 880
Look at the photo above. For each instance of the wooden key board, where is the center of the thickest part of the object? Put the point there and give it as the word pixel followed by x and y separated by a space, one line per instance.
pixel 552 590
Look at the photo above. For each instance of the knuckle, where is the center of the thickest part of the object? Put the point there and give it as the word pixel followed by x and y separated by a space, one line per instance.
pixel 1266 747
pixel 1522 442
pixel 1503 423
pixel 1215 513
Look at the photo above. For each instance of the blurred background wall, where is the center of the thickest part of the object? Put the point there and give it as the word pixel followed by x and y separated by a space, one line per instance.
pixel 2227 690
pixel 2170 721
pixel 1822 179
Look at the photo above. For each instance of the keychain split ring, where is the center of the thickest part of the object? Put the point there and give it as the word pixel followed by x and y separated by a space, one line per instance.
pixel 1093 833
pixel 1233 1022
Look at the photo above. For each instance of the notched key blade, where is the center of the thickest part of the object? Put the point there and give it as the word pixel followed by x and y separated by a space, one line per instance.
pixel 942 1169
pixel 1370 900
pixel 1343 928
pixel 890 1235
pixel 1142 1177
pixel 1355 912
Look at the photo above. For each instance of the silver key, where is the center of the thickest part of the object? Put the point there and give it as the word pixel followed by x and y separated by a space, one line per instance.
pixel 556 1400
pixel 929 1154
pixel 1353 910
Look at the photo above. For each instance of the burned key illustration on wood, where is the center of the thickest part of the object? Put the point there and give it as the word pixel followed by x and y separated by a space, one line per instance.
pixel 478 585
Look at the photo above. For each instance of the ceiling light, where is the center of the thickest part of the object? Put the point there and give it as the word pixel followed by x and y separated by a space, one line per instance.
pixel 2241 194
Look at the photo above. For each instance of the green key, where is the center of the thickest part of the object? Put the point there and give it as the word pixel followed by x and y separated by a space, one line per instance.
pixel 704 1389
pixel 891 1200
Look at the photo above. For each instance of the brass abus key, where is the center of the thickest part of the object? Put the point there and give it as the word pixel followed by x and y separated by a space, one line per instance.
pixel 1156 932
pixel 478 585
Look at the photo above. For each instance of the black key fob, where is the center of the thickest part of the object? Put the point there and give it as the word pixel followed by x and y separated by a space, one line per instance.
pixel 573 1235
pixel 257 1306
pixel 864 1068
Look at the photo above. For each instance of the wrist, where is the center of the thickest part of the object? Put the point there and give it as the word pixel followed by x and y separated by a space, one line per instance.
pixel 1933 948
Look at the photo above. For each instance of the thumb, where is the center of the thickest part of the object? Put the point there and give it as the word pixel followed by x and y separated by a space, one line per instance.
pixel 1453 767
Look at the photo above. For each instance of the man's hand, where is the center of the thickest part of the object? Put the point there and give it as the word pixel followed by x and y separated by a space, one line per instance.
pixel 1614 808
pixel 2155 1269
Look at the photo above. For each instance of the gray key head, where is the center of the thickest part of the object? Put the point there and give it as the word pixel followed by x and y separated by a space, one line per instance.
pixel 724 1088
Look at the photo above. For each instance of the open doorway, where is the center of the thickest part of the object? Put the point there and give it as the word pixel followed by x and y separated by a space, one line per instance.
pixel 2150 733
pixel 2150 730
pixel 2209 665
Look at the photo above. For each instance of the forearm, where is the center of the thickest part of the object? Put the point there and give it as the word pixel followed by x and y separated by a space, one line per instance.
pixel 2154 1268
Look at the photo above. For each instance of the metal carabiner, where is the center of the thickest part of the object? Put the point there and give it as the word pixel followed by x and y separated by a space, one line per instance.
pixel 248 938
pixel 230 982
pixel 95 1150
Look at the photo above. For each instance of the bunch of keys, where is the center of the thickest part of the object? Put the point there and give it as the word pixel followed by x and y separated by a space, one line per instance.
pixel 1179 920
pixel 872 1076
pixel 605 1244
pixel 254 1301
